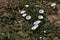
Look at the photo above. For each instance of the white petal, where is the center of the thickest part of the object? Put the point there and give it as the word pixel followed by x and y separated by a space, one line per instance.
pixel 34 27
pixel 53 4
pixel 22 12
pixel 37 22
pixel 23 15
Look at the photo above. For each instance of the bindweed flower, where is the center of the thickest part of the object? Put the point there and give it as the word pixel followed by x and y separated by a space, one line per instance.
pixel 40 17
pixel 37 22
pixel 41 11
pixel 28 17
pixel 23 15
pixel 34 27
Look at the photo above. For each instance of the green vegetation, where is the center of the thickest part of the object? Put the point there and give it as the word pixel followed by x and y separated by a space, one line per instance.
pixel 14 27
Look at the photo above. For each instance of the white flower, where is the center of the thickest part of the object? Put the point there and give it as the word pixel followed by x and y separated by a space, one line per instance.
pixel 34 27
pixel 26 5
pixel 53 4
pixel 22 12
pixel 37 22
pixel 28 17
pixel 23 15
pixel 41 11
pixel 40 17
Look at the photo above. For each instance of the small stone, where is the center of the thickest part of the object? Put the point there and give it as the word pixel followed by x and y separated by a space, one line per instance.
pixel 34 27
pixel 23 15
pixel 27 6
pixel 28 17
pixel 41 11
pixel 40 17
pixel 37 22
